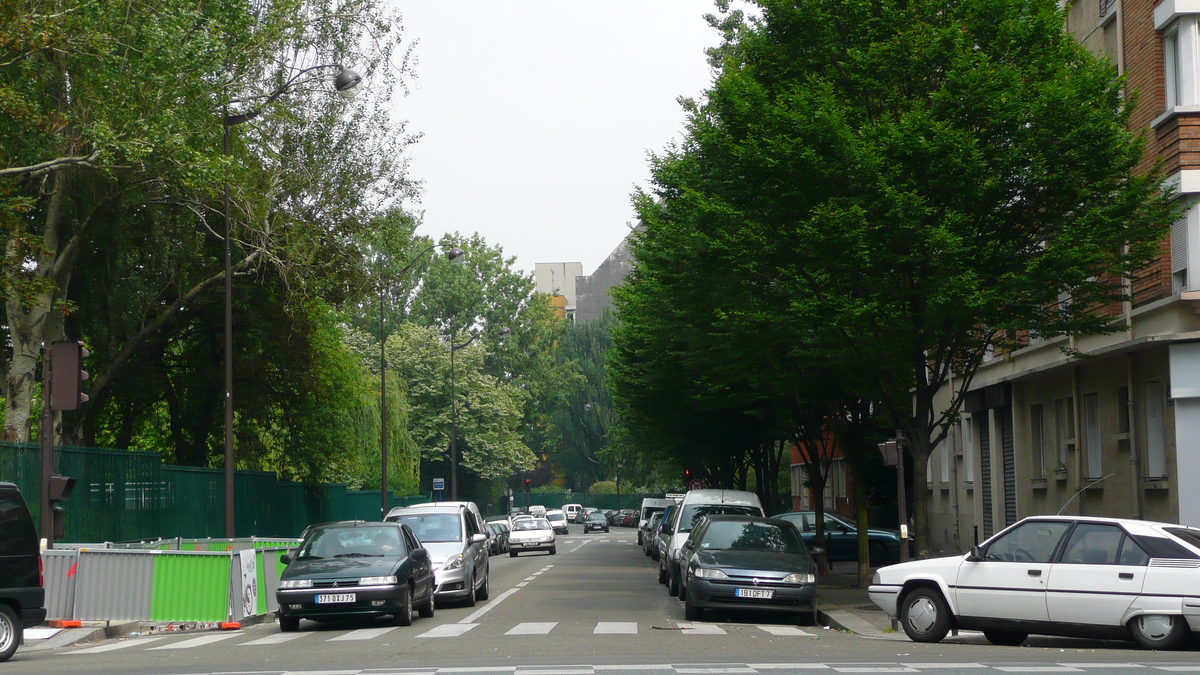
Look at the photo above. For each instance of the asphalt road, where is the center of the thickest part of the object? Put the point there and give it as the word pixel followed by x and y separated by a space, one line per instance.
pixel 594 607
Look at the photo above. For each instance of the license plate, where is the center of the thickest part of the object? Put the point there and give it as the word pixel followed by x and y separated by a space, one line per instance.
pixel 530 543
pixel 333 599
pixel 760 593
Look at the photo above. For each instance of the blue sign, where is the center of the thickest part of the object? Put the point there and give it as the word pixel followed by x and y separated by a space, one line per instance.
pixel 439 484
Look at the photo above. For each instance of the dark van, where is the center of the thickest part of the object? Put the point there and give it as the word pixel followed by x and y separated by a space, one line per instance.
pixel 22 597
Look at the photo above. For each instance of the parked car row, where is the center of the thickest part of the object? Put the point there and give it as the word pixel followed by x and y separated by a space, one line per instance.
pixel 717 551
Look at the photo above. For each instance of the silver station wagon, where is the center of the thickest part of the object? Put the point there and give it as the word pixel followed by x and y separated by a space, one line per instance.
pixel 1055 575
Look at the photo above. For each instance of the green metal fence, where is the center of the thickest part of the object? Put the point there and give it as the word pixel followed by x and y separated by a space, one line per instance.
pixel 125 496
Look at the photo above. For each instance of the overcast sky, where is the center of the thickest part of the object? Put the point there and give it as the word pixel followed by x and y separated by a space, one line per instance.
pixel 538 115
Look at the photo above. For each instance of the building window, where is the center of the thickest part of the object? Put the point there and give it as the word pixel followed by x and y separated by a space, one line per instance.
pixel 1179 62
pixel 1064 430
pixel 1156 462
pixel 1091 435
pixel 1037 441
pixel 1179 256
pixel 944 460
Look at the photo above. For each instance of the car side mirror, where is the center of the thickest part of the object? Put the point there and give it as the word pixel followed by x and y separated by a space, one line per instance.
pixel 976 554
pixel 420 554
pixel 478 538
pixel 817 552
pixel 284 559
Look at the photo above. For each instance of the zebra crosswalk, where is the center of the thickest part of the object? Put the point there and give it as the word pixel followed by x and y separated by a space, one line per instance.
pixel 447 630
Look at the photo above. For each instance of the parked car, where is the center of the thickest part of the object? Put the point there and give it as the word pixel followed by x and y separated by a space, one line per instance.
pixel 628 518
pixel 650 506
pixel 495 538
pixel 662 538
pixel 502 528
pixel 22 597
pixel 1055 575
pixel 841 538
pixel 572 511
pixel 746 562
pixel 595 522
pixel 695 505
pixel 536 534
pixel 558 521
pixel 648 534
pixel 356 569
pixel 457 548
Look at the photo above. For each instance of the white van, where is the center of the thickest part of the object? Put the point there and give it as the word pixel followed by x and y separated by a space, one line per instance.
pixel 650 506
pixel 695 505
pixel 537 511
pixel 572 511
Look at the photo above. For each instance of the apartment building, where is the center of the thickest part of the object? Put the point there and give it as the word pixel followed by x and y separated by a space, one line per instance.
pixel 1116 433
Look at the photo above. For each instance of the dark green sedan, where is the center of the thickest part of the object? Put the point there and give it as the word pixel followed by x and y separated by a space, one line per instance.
pixel 355 569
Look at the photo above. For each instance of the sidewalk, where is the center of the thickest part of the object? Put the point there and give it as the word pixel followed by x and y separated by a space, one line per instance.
pixel 843 605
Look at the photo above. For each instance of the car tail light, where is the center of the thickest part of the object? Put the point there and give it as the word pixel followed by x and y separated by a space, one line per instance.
pixel 41 572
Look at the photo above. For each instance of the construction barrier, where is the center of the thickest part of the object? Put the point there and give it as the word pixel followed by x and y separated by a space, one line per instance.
pixel 162 585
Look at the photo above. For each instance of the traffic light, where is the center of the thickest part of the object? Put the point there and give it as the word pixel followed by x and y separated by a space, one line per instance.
pixel 687 476
pixel 66 375
pixel 60 490
pixel 527 485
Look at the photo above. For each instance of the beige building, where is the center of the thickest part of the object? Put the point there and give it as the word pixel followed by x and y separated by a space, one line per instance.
pixel 1116 433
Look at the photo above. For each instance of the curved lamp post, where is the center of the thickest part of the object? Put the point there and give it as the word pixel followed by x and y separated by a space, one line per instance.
pixel 454 255
pixel 344 84
pixel 501 332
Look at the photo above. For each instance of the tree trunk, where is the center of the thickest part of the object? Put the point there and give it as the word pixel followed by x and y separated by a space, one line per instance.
pixel 864 546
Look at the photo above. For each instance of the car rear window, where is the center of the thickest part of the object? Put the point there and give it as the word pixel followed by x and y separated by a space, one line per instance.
pixel 556 516
pixel 1190 536
pixel 1161 547
pixel 692 514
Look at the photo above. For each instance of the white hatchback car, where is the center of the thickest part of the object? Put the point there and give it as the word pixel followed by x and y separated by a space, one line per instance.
pixel 531 534
pixel 1055 575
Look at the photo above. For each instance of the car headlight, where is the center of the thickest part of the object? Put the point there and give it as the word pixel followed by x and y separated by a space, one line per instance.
pixel 377 581
pixel 296 583
pixel 453 563
pixel 708 573
pixel 797 578
pixel 548 537
pixel 875 579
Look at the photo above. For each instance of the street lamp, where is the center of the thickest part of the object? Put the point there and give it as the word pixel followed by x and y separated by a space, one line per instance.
pixel 455 255
pixel 344 84
pixel 503 330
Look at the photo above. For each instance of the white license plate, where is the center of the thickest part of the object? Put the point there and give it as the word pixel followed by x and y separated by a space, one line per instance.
pixel 333 599
pixel 760 593
pixel 530 543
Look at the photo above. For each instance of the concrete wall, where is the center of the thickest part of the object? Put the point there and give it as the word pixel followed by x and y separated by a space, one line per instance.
pixel 592 292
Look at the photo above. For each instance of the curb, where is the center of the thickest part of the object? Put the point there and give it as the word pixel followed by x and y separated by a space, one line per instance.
pixel 108 630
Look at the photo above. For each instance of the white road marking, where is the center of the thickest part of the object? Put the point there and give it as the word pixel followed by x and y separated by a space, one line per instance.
pixel 956 666
pixel 117 645
pixel 278 638
pixel 701 629
pixel 615 628
pixel 1042 669
pixel 714 669
pixel 788 666
pixel 532 628
pixel 448 630
pixel 198 641
pixel 564 670
pixel 1102 665
pixel 523 584
pixel 585 543
pixel 41 633
pixel 364 634
pixel 873 669
pixel 531 578
pixel 474 616
pixel 783 631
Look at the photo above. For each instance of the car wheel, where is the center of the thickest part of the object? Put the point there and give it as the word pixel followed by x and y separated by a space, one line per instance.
pixel 878 553
pixel 289 624
pixel 469 601
pixel 683 593
pixel 425 610
pixel 672 585
pixel 1159 631
pixel 553 550
pixel 645 551
pixel 662 573
pixel 807 619
pixel 512 554
pixel 925 616
pixel 404 616
pixel 691 611
pixel 485 590
pixel 1005 638
pixel 11 630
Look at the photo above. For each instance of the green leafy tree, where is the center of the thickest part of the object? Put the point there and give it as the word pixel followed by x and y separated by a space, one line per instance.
pixel 905 185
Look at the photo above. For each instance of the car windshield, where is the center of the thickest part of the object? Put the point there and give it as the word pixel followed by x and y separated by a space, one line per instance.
pixel 556 516
pixel 531 524
pixel 596 516
pixel 433 527
pixel 741 536
pixel 352 542
pixel 692 514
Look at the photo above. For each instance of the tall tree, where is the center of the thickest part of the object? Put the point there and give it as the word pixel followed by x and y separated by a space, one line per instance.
pixel 909 184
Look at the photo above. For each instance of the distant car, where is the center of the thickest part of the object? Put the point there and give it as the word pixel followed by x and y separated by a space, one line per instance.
pixel 750 563
pixel 572 511
pixel 356 569
pixel 648 534
pixel 595 522
pixel 535 534
pixel 1055 575
pixel 558 520
pixel 841 538
pixel 497 536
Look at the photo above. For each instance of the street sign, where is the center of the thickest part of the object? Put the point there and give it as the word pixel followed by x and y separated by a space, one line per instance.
pixel 439 484
pixel 695 484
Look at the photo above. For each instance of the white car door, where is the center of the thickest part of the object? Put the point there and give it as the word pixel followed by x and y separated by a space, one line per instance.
pixel 1009 582
pixel 1098 576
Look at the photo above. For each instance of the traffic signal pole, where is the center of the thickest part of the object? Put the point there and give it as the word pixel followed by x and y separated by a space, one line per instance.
pixel 46 437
